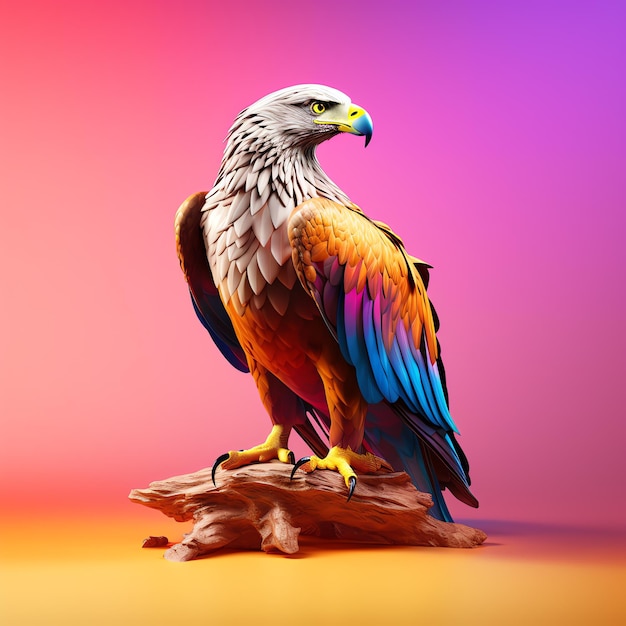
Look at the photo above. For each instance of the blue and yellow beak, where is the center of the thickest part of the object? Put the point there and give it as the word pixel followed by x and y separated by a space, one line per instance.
pixel 348 118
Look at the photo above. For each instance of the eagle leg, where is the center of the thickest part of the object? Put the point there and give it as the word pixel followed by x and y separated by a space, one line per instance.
pixel 346 462
pixel 274 447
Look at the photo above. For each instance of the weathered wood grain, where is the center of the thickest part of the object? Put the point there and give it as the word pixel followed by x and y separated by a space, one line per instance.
pixel 259 507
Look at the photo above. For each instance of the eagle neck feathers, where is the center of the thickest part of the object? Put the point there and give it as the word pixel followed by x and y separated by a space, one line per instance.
pixel 246 214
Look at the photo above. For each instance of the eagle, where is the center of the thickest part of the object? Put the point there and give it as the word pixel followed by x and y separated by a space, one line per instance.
pixel 321 304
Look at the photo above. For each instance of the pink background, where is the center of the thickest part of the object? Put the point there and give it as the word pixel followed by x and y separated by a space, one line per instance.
pixel 499 154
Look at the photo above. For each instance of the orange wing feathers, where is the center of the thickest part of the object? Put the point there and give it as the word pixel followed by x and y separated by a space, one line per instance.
pixel 371 255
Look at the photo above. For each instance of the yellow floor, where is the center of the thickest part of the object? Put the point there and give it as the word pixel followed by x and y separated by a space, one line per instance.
pixel 95 572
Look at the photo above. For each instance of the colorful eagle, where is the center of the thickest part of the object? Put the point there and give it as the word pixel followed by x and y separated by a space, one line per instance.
pixel 321 304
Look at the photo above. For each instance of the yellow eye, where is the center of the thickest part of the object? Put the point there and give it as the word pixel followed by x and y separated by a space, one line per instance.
pixel 318 107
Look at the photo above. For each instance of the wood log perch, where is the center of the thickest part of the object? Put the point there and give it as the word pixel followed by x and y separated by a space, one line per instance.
pixel 258 507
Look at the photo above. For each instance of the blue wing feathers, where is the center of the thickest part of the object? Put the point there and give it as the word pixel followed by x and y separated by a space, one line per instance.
pixel 222 333
pixel 402 341
pixel 391 374
pixel 431 407
pixel 350 325
pixel 399 367
pixel 377 364
pixel 400 372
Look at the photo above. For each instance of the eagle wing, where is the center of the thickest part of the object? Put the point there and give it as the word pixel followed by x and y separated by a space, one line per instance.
pixel 204 295
pixel 374 301
pixel 372 296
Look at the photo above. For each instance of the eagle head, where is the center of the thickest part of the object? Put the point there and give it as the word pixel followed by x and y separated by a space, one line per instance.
pixel 301 116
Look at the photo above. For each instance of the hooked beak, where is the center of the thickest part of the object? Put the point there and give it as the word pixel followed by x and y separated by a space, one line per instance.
pixel 350 118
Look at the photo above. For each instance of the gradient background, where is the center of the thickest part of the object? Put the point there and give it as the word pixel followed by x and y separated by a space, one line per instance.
pixel 499 155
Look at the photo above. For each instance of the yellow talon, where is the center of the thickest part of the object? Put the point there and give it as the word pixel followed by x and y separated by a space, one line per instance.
pixel 347 463
pixel 274 447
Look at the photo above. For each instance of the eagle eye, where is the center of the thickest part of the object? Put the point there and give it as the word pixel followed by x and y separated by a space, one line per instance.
pixel 318 107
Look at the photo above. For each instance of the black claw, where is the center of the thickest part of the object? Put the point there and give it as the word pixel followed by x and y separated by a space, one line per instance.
pixel 299 464
pixel 292 458
pixel 352 480
pixel 217 463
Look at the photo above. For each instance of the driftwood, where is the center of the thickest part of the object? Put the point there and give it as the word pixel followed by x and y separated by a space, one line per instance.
pixel 258 507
